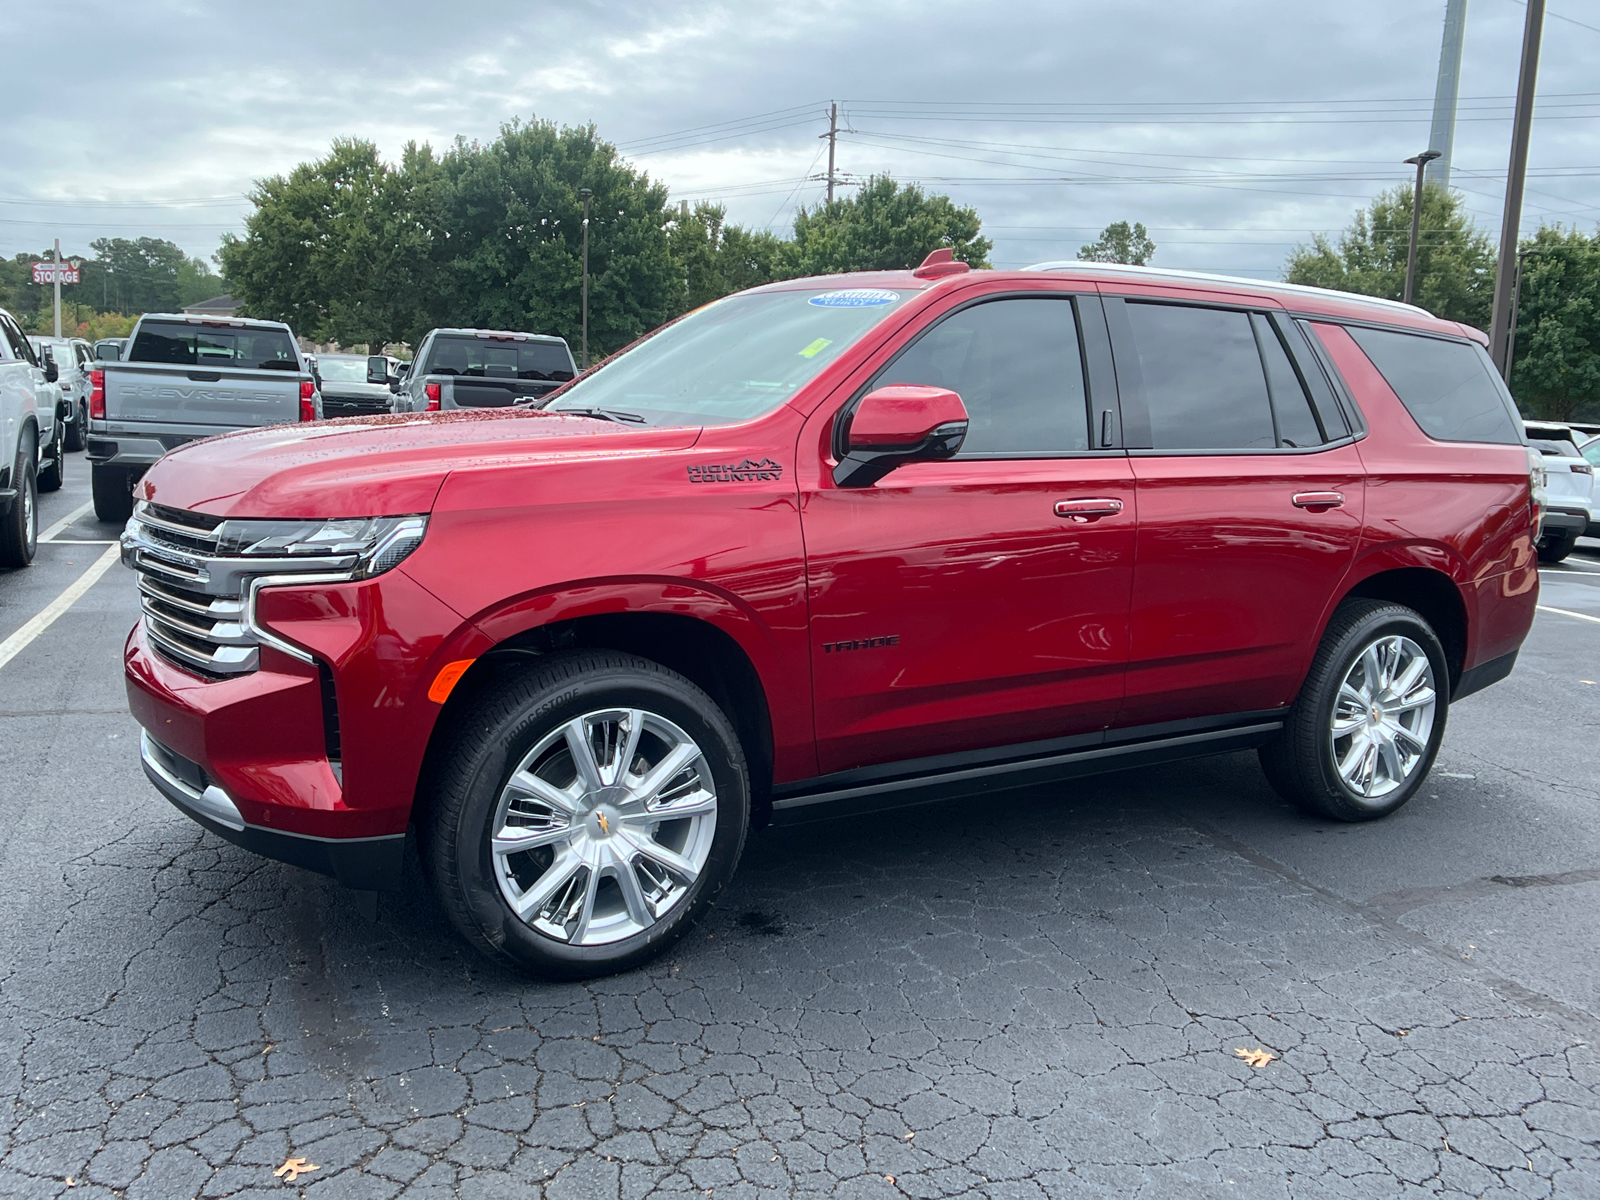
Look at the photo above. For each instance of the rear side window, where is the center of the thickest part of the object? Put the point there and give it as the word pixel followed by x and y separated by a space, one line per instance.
pixel 490 358
pixel 203 346
pixel 1449 388
pixel 1202 378
pixel 1297 421
pixel 1016 365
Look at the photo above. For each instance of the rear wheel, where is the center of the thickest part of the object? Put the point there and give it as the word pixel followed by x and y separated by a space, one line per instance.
pixel 19 531
pixel 113 493
pixel 1362 735
pixel 583 815
pixel 1557 546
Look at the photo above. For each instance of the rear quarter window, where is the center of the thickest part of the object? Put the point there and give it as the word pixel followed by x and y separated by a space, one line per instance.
pixel 1449 388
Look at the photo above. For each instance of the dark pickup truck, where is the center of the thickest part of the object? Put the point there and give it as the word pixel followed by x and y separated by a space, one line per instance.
pixel 483 368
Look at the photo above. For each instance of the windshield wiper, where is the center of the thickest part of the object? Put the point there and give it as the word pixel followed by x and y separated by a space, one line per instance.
pixel 605 414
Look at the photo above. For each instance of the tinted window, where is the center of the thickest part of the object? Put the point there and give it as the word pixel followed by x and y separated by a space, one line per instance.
pixel 498 359
pixel 1297 423
pixel 1201 377
pixel 210 346
pixel 1554 447
pixel 1017 367
pixel 15 342
pixel 1591 450
pixel 1449 388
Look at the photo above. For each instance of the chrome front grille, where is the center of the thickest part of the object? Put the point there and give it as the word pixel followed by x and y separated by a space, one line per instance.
pixel 189 620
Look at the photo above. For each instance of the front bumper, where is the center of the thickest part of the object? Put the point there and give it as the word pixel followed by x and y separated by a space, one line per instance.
pixel 368 864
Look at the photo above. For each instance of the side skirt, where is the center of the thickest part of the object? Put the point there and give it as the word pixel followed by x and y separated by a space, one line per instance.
pixel 928 780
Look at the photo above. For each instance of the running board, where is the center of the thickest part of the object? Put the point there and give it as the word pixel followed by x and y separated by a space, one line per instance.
pixel 1004 776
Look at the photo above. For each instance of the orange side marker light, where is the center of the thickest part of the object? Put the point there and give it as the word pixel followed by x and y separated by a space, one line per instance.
pixel 447 679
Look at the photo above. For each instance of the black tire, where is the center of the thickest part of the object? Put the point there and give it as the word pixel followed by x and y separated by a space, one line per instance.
pixel 19 531
pixel 488 740
pixel 113 493
pixel 75 429
pixel 54 473
pixel 1300 762
pixel 1556 547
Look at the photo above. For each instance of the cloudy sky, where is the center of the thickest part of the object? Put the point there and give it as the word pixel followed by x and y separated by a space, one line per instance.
pixel 1232 128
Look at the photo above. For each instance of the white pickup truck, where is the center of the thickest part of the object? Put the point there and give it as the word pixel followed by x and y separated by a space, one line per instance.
pixel 183 378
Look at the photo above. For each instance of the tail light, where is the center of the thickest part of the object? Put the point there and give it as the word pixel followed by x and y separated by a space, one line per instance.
pixel 97 395
pixel 308 404
pixel 431 391
pixel 1537 478
pixel 1580 468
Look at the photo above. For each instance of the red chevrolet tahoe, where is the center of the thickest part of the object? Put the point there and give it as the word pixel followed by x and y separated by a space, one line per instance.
pixel 851 541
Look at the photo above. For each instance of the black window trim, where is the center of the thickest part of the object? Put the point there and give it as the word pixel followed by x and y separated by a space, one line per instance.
pixel 1136 415
pixel 1095 347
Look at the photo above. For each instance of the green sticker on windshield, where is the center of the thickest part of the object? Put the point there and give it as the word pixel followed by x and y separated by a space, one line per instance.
pixel 816 348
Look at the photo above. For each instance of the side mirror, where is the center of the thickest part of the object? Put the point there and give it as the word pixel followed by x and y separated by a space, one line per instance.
pixel 377 369
pixel 51 371
pixel 898 424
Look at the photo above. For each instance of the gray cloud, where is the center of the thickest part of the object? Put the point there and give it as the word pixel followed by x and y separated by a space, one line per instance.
pixel 1233 128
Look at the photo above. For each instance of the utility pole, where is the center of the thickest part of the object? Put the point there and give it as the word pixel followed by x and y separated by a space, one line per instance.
pixel 56 272
pixel 1516 308
pixel 1443 136
pixel 1420 161
pixel 585 193
pixel 833 144
pixel 1511 220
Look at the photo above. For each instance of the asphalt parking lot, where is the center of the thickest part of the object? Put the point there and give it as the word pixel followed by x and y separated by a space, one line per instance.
pixel 1041 994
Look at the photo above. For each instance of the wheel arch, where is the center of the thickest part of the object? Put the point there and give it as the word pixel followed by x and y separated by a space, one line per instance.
pixel 1431 592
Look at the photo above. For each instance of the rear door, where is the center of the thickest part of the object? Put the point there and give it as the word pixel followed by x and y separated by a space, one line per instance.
pixel 207 374
pixel 952 608
pixel 1250 494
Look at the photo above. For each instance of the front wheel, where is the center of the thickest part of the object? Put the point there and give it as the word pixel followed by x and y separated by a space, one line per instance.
pixel 1362 735
pixel 52 476
pixel 582 815
pixel 75 428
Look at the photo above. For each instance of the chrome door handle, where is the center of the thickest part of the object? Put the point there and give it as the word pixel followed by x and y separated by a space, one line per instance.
pixel 1088 510
pixel 1319 500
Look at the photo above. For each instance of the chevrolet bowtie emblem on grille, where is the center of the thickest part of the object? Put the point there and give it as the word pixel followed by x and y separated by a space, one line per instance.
pixel 605 825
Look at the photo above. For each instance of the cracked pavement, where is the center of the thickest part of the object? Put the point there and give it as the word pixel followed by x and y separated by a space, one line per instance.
pixel 1035 994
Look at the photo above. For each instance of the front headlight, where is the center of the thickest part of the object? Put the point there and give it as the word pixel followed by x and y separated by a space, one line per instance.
pixel 379 543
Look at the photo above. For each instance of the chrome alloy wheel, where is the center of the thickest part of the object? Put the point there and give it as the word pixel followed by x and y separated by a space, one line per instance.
pixel 1383 716
pixel 30 516
pixel 604 826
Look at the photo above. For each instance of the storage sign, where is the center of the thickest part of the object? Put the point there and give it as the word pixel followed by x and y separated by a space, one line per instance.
pixel 46 272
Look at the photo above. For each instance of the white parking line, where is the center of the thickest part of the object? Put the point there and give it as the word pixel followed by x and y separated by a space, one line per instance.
pixel 49 535
pixel 46 617
pixel 1565 612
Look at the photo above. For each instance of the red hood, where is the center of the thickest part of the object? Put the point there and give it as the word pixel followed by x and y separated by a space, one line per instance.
pixel 377 466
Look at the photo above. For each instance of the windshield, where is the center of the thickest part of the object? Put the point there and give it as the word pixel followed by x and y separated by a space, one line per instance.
pixel 734 359
pixel 499 358
pixel 343 370
pixel 209 346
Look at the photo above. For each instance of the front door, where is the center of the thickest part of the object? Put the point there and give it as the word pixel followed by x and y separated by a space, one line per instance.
pixel 952 608
pixel 1250 495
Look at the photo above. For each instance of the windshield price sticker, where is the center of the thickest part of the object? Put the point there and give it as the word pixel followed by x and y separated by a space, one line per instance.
pixel 855 298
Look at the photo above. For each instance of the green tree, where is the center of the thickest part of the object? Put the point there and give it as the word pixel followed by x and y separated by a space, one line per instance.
pixel 1120 242
pixel 717 258
pixel 884 227
pixel 1556 372
pixel 1455 259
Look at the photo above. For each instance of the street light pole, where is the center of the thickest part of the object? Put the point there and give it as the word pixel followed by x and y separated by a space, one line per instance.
pixel 585 193
pixel 1420 161
pixel 1511 219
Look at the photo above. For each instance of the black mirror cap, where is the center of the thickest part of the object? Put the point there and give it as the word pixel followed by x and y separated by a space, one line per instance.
pixel 377 369
pixel 863 468
pixel 51 372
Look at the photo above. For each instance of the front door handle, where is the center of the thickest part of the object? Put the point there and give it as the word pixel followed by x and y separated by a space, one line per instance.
pixel 1319 500
pixel 1088 510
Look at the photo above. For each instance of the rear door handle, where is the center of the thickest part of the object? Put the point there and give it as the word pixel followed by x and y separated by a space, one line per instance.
pixel 1319 499
pixel 1088 510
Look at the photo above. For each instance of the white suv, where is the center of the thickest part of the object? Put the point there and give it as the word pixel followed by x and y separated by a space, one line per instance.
pixel 32 434
pixel 1569 488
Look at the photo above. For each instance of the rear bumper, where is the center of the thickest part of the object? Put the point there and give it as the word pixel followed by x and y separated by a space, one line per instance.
pixel 124 451
pixel 368 864
pixel 1559 522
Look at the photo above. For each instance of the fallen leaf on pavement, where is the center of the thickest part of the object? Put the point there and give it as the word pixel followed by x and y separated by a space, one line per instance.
pixel 1256 1058
pixel 293 1168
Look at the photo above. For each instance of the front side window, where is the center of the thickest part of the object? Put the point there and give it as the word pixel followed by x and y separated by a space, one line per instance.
pixel 733 360
pixel 210 346
pixel 1450 388
pixel 1202 378
pixel 1017 366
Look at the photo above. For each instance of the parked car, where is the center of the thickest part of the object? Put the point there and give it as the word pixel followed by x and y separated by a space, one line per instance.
pixel 356 385
pixel 32 441
pixel 831 543
pixel 110 349
pixel 187 377
pixel 1569 487
pixel 1589 447
pixel 73 358
pixel 482 368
